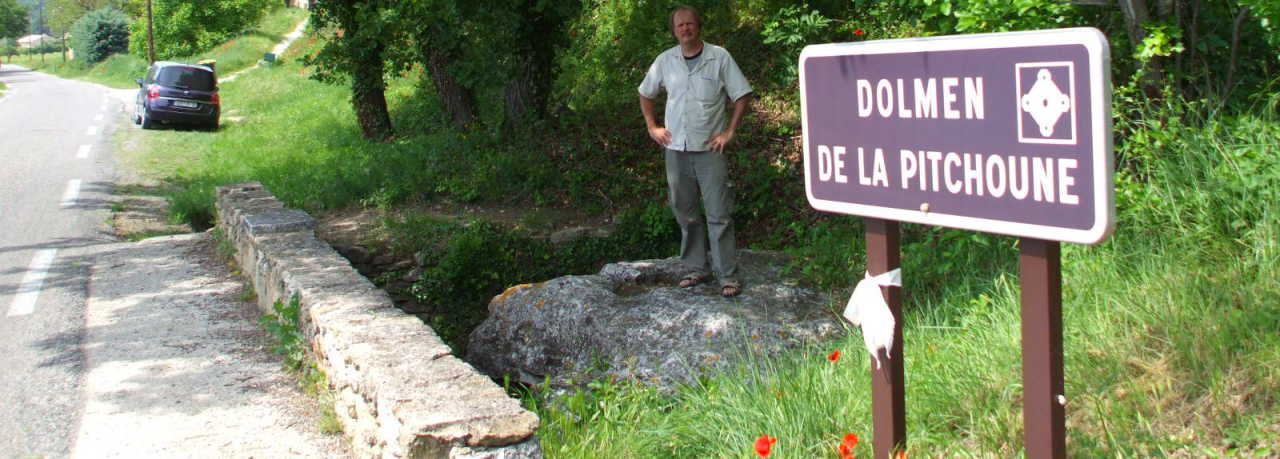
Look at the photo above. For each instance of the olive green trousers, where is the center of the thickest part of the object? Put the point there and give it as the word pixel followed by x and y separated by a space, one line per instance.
pixel 703 174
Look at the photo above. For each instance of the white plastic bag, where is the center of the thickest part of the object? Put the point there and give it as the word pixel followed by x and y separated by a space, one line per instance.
pixel 868 310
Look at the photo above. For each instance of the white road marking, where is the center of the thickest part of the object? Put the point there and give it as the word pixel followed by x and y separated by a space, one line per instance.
pixel 84 152
pixel 25 301
pixel 93 130
pixel 73 191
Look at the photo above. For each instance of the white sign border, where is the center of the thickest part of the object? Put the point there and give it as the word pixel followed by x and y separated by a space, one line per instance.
pixel 1099 78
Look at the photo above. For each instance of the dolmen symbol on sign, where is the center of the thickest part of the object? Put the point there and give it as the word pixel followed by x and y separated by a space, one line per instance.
pixel 1003 133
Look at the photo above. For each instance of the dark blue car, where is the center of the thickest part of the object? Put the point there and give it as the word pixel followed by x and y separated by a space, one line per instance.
pixel 175 93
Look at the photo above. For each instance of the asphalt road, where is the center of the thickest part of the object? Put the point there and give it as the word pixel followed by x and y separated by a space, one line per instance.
pixel 116 349
pixel 55 170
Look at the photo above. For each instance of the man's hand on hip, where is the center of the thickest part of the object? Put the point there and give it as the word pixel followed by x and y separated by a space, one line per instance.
pixel 718 142
pixel 661 135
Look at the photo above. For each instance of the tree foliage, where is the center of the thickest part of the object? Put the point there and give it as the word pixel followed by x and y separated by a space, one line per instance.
pixel 99 34
pixel 187 27
pixel 35 20
pixel 505 47
pixel 13 19
pixel 61 14
pixel 528 60
pixel 436 42
pixel 1200 49
pixel 579 62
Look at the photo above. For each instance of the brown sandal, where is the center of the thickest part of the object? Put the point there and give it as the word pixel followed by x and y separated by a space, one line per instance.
pixel 730 289
pixel 692 279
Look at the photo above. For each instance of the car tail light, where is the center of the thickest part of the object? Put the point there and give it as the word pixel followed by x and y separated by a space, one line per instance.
pixel 217 101
pixel 153 92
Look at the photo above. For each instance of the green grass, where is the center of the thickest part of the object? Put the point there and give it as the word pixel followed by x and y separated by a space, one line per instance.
pixel 247 49
pixel 1161 360
pixel 119 71
pixel 299 138
pixel 261 139
pixel 1170 331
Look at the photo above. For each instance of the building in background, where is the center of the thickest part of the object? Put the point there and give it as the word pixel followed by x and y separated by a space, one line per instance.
pixel 34 40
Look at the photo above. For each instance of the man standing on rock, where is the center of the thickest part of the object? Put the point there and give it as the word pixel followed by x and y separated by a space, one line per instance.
pixel 698 77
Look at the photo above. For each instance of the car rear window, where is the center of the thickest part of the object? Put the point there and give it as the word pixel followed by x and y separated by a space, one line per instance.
pixel 186 77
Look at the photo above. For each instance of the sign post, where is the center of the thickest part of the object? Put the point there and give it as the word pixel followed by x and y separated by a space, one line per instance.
pixel 1006 133
pixel 888 391
pixel 1044 400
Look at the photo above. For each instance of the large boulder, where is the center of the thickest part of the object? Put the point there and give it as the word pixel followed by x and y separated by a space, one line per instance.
pixel 632 321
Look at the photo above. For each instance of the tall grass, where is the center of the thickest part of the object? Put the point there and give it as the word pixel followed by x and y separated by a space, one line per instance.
pixel 1170 330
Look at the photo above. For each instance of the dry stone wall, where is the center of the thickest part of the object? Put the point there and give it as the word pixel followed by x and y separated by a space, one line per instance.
pixel 401 393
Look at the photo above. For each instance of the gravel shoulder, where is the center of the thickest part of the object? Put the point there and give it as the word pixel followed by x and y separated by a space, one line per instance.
pixel 177 365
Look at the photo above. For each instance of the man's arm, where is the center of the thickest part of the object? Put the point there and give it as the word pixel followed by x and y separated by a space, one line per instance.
pixel 718 142
pixel 657 133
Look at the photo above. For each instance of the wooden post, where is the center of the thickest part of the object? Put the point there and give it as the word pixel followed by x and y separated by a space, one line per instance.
pixel 1043 410
pixel 151 40
pixel 888 401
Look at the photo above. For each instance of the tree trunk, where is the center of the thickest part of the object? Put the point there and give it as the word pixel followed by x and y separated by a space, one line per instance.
pixel 1136 15
pixel 1235 50
pixel 523 101
pixel 458 100
pixel 1188 18
pixel 368 95
pixel 528 90
pixel 151 38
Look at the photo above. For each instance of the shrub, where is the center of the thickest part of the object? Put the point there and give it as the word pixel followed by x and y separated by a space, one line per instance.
pixel 49 46
pixel 99 34
pixel 188 27
pixel 193 206
pixel 465 265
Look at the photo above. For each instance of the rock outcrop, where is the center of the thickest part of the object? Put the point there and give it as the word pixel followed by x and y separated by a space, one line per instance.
pixel 632 321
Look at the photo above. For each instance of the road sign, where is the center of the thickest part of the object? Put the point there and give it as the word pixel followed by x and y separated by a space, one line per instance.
pixel 1006 133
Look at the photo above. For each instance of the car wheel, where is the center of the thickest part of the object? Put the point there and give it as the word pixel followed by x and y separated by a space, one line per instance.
pixel 146 122
pixel 137 114
pixel 212 126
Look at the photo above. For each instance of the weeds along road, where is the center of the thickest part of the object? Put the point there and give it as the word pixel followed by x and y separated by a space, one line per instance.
pixel 55 170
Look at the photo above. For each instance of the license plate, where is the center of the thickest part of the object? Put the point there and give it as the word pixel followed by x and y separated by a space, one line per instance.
pixel 185 104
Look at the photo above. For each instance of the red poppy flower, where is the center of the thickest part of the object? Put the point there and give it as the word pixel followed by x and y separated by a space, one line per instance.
pixel 764 445
pixel 834 356
pixel 858 32
pixel 900 455
pixel 846 446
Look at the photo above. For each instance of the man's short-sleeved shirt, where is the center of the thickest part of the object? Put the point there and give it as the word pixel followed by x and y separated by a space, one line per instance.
pixel 695 109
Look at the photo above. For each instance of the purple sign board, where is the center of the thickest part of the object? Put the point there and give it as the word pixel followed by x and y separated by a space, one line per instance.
pixel 1005 133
